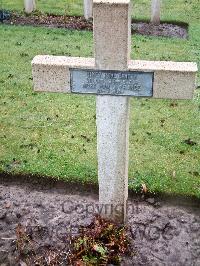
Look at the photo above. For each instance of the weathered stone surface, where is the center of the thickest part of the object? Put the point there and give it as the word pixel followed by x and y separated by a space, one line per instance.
pixel 112 149
pixel 51 73
pixel 112 51
pixel 176 85
pixel 172 80
pixel 112 44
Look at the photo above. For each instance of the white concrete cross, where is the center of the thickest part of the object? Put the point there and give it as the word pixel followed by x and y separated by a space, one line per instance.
pixel 88 9
pixel 112 73
pixel 29 6
pixel 155 11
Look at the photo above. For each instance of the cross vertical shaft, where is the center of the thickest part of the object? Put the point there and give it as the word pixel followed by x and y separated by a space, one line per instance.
pixel 112 52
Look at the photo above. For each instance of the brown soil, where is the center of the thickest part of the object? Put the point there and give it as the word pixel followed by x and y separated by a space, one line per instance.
pixel 163 233
pixel 79 23
pixel 164 29
pixel 50 21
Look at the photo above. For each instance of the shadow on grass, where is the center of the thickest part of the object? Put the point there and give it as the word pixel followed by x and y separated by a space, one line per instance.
pixel 65 187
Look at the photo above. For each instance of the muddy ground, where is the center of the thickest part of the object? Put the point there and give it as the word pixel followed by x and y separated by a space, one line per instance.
pixel 79 23
pixel 162 232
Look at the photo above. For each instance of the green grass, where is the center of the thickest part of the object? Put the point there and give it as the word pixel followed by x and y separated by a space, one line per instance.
pixel 180 10
pixel 42 133
pixel 69 7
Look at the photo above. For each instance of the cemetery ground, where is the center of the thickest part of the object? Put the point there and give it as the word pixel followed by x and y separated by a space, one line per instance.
pixel 69 15
pixel 46 212
pixel 55 136
pixel 80 23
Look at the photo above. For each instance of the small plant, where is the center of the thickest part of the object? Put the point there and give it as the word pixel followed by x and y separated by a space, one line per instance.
pixel 101 243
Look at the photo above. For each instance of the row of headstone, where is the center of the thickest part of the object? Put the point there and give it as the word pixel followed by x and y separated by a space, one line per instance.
pixel 30 6
pixel 155 10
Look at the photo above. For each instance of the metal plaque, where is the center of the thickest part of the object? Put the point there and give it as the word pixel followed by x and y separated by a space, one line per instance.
pixel 106 82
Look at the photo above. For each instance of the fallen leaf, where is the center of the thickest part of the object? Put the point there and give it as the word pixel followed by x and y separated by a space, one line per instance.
pixel 144 188
pixel 190 142
pixel 173 104
pixel 8 204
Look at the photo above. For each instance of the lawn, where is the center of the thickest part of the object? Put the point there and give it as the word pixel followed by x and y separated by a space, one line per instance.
pixel 55 134
pixel 69 7
pixel 180 10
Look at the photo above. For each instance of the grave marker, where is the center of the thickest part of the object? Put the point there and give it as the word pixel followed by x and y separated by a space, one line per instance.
pixel 29 6
pixel 88 9
pixel 125 77
pixel 155 11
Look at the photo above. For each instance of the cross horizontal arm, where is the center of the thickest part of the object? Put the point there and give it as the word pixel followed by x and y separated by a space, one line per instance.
pixel 172 80
pixel 52 74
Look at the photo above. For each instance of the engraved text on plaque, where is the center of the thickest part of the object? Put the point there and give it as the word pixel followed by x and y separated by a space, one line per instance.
pixel 127 83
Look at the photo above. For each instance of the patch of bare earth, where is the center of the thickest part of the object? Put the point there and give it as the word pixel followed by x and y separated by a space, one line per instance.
pixel 51 213
pixel 79 23
pixel 163 29
pixel 50 21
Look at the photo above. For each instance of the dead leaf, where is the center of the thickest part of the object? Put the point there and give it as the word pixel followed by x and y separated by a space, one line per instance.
pixel 80 263
pixel 190 142
pixel 8 204
pixel 144 188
